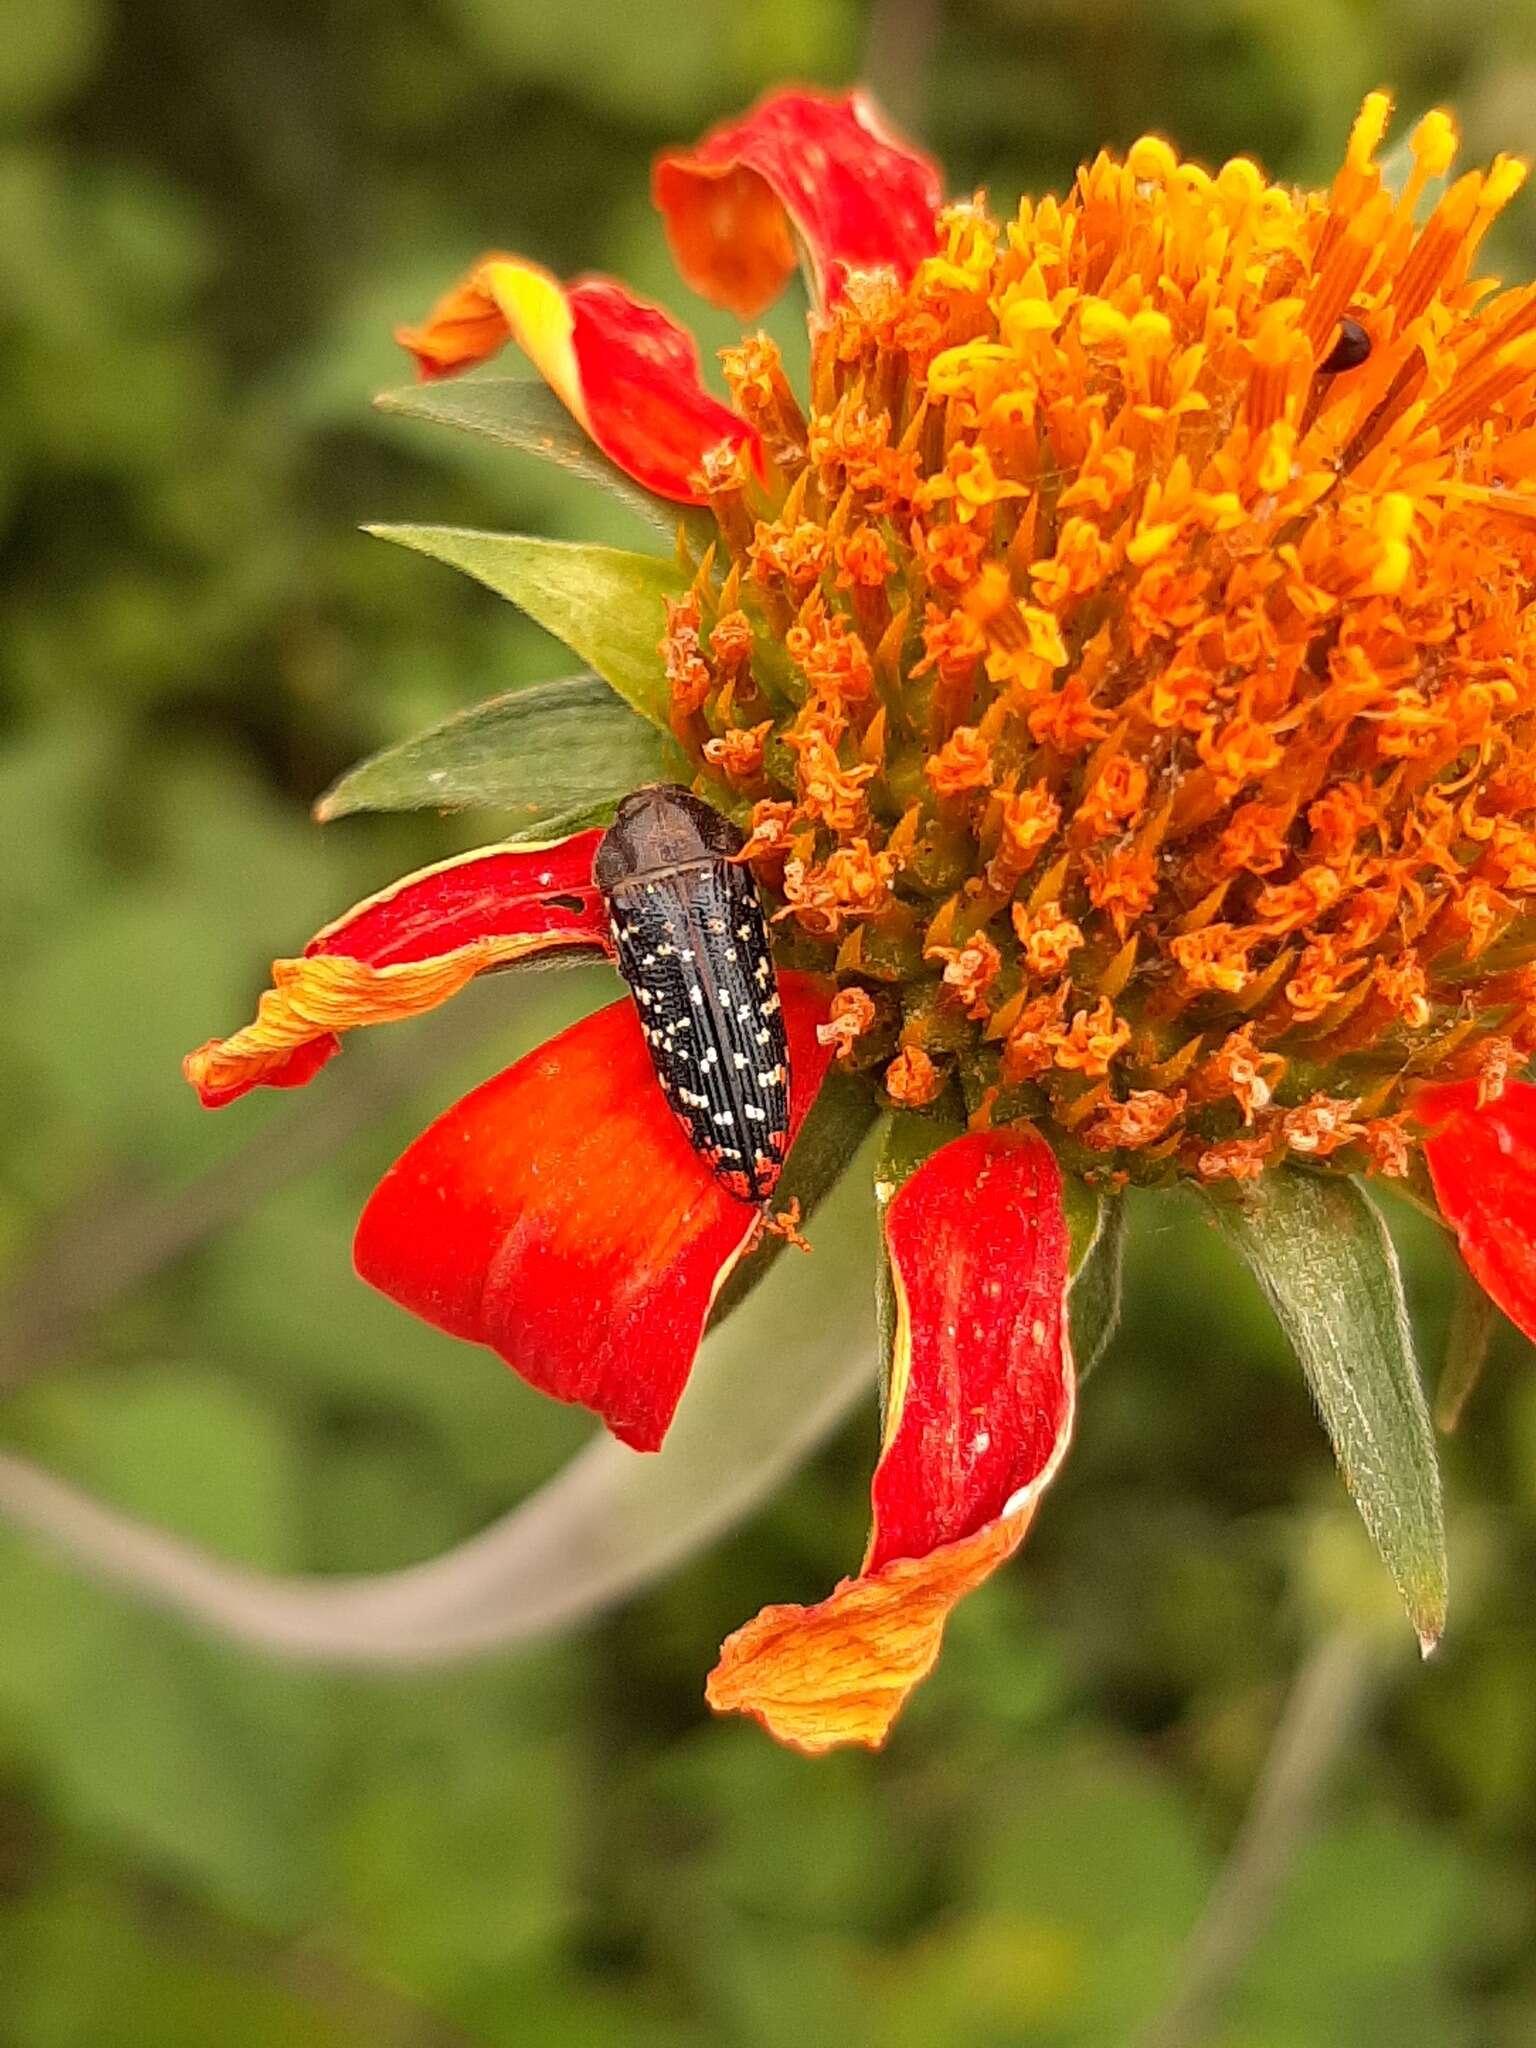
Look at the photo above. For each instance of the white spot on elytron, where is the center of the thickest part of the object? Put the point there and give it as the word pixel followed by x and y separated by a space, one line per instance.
pixel 723 1116
pixel 771 1005
pixel 743 931
pixel 731 955
pixel 761 971
pixel 758 1116
pixel 768 1079
pixel 711 1058
pixel 695 994
pixel 765 1038
pixel 740 1058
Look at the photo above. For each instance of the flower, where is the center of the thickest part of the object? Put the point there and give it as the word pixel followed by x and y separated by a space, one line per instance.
pixel 1122 663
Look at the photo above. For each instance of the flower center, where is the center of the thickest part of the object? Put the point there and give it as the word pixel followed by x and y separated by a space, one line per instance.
pixel 1125 671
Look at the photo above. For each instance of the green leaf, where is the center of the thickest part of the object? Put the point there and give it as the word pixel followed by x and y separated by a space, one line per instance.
pixel 1321 1254
pixel 557 754
pixel 523 413
pixel 1097 1224
pixel 606 604
pixel 1466 1350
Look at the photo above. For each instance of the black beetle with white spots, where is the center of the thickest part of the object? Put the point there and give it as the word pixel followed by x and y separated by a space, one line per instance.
pixel 692 943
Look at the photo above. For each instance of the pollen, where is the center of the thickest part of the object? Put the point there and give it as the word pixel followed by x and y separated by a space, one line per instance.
pixel 1124 668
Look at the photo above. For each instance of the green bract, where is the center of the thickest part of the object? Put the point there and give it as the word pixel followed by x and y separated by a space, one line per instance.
pixel 606 604
pixel 558 755
pixel 1321 1253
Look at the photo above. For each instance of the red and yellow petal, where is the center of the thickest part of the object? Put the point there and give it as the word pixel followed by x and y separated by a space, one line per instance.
pixel 801 167
pixel 1482 1163
pixel 978 1419
pixel 623 368
pixel 559 1215
pixel 404 951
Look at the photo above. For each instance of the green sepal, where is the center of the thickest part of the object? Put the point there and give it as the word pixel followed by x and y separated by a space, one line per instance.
pixel 1466 1350
pixel 1322 1256
pixel 522 413
pixel 836 1125
pixel 558 755
pixel 606 604
pixel 1096 1224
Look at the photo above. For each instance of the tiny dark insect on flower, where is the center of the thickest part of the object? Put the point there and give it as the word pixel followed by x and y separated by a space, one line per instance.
pixel 1350 349
pixel 692 943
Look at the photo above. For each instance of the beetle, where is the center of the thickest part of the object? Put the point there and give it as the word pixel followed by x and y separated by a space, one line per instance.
pixel 692 943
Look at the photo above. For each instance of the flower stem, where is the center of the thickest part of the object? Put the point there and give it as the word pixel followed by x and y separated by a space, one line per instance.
pixel 600 1531
pixel 1326 1705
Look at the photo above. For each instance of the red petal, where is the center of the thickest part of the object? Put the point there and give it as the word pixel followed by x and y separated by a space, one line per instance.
pixel 1483 1166
pixel 825 171
pixel 625 369
pixel 406 950
pixel 979 1416
pixel 559 1215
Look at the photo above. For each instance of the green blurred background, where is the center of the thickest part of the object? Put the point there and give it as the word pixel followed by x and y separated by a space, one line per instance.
pixel 211 213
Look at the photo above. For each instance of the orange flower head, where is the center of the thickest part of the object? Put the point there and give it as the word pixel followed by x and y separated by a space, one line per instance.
pixel 1154 572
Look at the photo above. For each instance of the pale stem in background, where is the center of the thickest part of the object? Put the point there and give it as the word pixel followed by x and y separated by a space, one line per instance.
pixel 773 1381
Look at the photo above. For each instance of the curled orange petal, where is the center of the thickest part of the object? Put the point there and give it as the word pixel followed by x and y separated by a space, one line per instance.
pixel 403 951
pixel 978 1421
pixel 467 325
pixel 623 368
pixel 801 167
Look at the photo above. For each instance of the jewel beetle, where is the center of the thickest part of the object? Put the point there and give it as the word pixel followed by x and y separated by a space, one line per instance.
pixel 692 943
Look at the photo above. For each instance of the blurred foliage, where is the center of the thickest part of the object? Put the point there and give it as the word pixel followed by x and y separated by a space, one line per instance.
pixel 210 216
